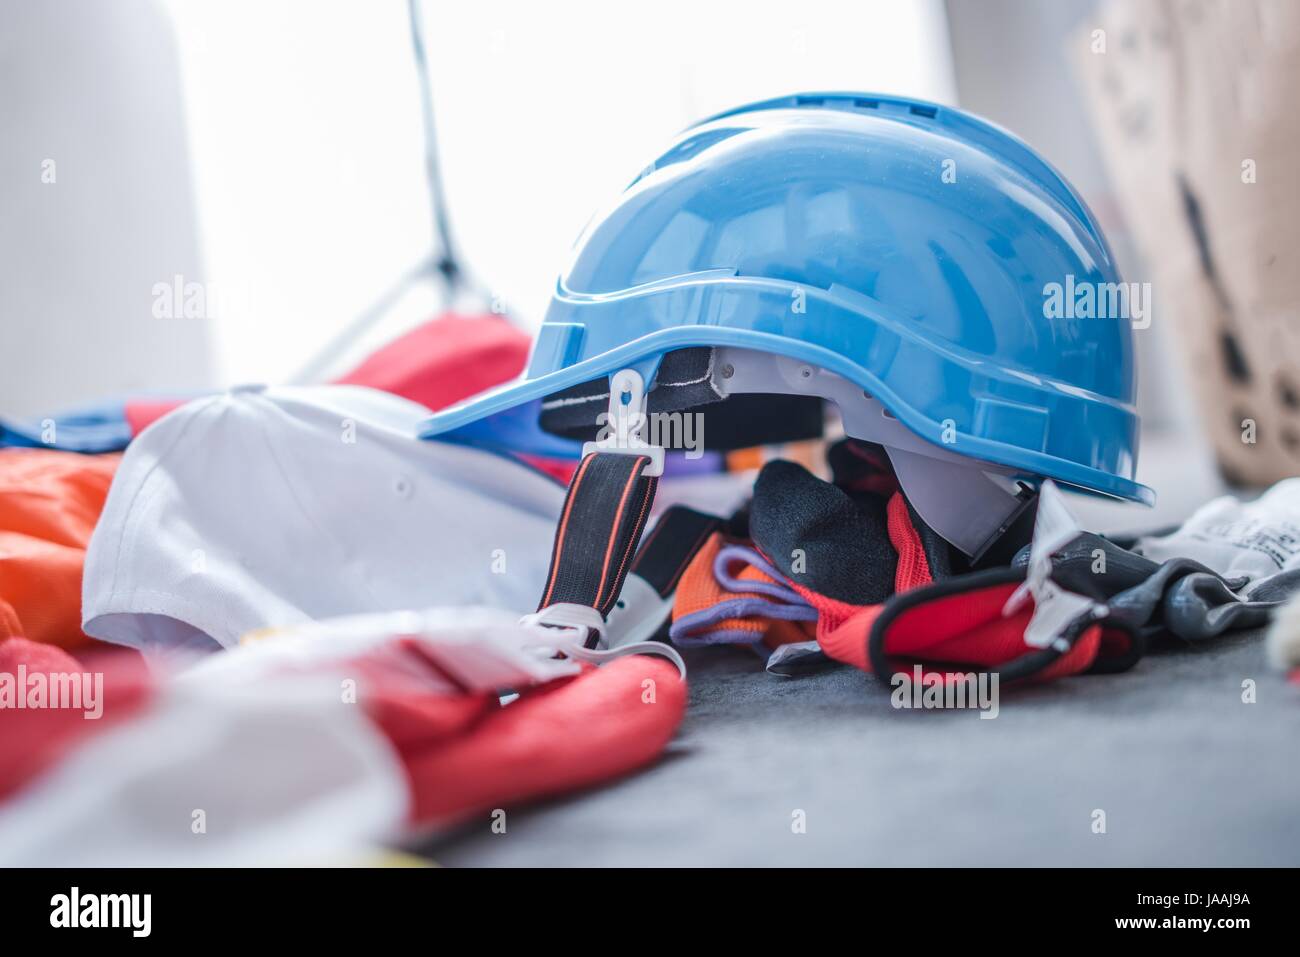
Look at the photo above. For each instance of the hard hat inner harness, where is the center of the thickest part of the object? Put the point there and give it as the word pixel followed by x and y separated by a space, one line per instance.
pixel 745 397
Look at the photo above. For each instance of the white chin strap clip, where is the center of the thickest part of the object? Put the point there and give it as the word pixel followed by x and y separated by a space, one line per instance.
pixel 621 426
pixel 565 628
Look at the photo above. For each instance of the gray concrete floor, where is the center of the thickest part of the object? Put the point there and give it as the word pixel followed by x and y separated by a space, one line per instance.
pixel 1186 773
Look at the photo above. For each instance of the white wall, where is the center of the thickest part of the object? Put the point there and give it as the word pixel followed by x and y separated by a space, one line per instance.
pixel 93 89
pixel 306 133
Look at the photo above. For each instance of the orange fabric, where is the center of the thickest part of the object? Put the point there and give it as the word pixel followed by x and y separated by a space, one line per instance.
pixel 49 503
pixel 744 460
pixel 810 453
pixel 780 632
pixel 699 590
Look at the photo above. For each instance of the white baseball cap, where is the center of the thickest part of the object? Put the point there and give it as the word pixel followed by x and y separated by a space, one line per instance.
pixel 268 507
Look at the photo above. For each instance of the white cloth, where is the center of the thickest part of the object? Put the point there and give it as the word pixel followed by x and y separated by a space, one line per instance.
pixel 1238 539
pixel 270 507
pixel 273 773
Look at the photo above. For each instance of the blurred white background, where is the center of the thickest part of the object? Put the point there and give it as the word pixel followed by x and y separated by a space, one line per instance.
pixel 306 133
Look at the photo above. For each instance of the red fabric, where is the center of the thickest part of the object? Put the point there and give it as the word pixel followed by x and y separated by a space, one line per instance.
pixel 831 612
pixel 142 413
pixel 968 628
pixel 962 629
pixel 448 359
pixel 559 469
pixel 37 739
pixel 913 567
pixel 877 477
pixel 445 360
pixel 847 642
pixel 559 737
pixel 1114 642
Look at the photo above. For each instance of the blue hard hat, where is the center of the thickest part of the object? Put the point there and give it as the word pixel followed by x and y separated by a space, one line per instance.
pixel 910 249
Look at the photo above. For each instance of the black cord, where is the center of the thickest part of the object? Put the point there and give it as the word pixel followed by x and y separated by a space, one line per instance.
pixel 446 261
pixel 442 262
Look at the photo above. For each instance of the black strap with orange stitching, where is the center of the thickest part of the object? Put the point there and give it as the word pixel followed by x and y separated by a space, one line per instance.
pixel 604 515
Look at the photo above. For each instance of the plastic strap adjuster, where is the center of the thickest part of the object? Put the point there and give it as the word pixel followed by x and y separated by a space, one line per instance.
pixel 624 421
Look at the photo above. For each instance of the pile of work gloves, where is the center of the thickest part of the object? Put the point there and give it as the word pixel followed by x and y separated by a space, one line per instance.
pixel 847 571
